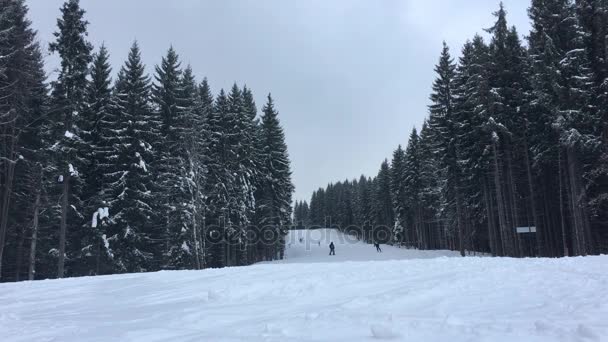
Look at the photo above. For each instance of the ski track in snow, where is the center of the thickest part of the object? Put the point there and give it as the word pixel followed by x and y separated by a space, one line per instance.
pixel 358 295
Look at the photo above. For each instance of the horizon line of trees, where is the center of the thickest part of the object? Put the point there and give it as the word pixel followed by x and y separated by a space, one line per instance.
pixel 517 136
pixel 102 176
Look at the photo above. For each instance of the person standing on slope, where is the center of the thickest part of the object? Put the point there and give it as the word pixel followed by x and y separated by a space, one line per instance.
pixel 378 249
pixel 332 249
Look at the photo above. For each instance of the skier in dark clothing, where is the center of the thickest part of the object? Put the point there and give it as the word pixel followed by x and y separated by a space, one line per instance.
pixel 378 249
pixel 332 249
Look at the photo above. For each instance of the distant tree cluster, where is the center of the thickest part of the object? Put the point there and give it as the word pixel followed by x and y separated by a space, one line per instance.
pixel 102 176
pixel 301 214
pixel 517 136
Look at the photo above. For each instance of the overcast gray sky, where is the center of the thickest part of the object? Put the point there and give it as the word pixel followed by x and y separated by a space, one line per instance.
pixel 350 78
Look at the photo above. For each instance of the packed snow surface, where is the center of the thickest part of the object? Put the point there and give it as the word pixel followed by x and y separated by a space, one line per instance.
pixel 358 295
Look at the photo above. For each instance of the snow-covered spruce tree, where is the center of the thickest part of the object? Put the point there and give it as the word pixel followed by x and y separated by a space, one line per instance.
pixel 100 103
pixel 305 213
pixel 473 107
pixel 430 182
pixel 363 203
pixel 132 240
pixel 251 157
pixel 312 208
pixel 579 133
pixel 301 214
pixel 201 158
pixel 329 205
pixel 193 140
pixel 489 97
pixel 444 130
pixel 174 168
pixel 382 203
pixel 507 78
pixel 22 111
pixel 415 233
pixel 219 187
pixel 593 17
pixel 336 205
pixel 315 209
pixel 68 105
pixel 561 81
pixel 30 188
pixel 398 195
pixel 345 207
pixel 274 203
pixel 243 167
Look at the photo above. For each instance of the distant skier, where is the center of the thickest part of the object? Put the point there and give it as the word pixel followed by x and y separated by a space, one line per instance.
pixel 319 243
pixel 378 249
pixel 332 249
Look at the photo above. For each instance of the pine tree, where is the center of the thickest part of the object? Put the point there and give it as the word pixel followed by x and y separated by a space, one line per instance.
pixel 398 194
pixel 561 83
pixel 252 146
pixel 194 135
pixel 414 234
pixel 133 238
pixel 577 125
pixel 593 18
pixel 241 140
pixel 69 98
pixel 382 200
pixel 202 157
pixel 220 184
pixel 505 78
pixel 443 127
pixel 23 107
pixel 174 168
pixel 305 214
pixel 316 209
pixel 274 204
pixel 100 104
pixel 362 204
pixel 430 188
pixel 473 107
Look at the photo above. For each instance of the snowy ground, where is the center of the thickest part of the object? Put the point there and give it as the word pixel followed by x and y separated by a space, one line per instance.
pixel 363 297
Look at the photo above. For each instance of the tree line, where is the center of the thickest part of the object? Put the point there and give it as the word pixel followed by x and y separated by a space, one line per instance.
pixel 516 136
pixel 140 173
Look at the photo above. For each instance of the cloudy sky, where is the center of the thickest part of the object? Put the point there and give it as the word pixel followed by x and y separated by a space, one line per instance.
pixel 350 78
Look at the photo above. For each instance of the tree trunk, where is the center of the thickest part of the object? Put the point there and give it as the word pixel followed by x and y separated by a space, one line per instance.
pixel 34 239
pixel 502 219
pixel 578 203
pixel 63 225
pixel 513 202
pixel 195 240
pixel 418 229
pixel 539 233
pixel 460 221
pixel 561 205
pixel 19 254
pixel 6 195
pixel 492 233
pixel 98 259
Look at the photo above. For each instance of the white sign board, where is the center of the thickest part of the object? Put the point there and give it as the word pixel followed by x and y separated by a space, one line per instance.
pixel 522 230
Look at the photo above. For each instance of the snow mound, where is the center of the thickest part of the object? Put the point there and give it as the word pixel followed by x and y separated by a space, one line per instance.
pixel 383 332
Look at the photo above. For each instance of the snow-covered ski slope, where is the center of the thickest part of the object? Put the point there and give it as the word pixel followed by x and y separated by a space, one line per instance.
pixel 358 296
pixel 347 249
